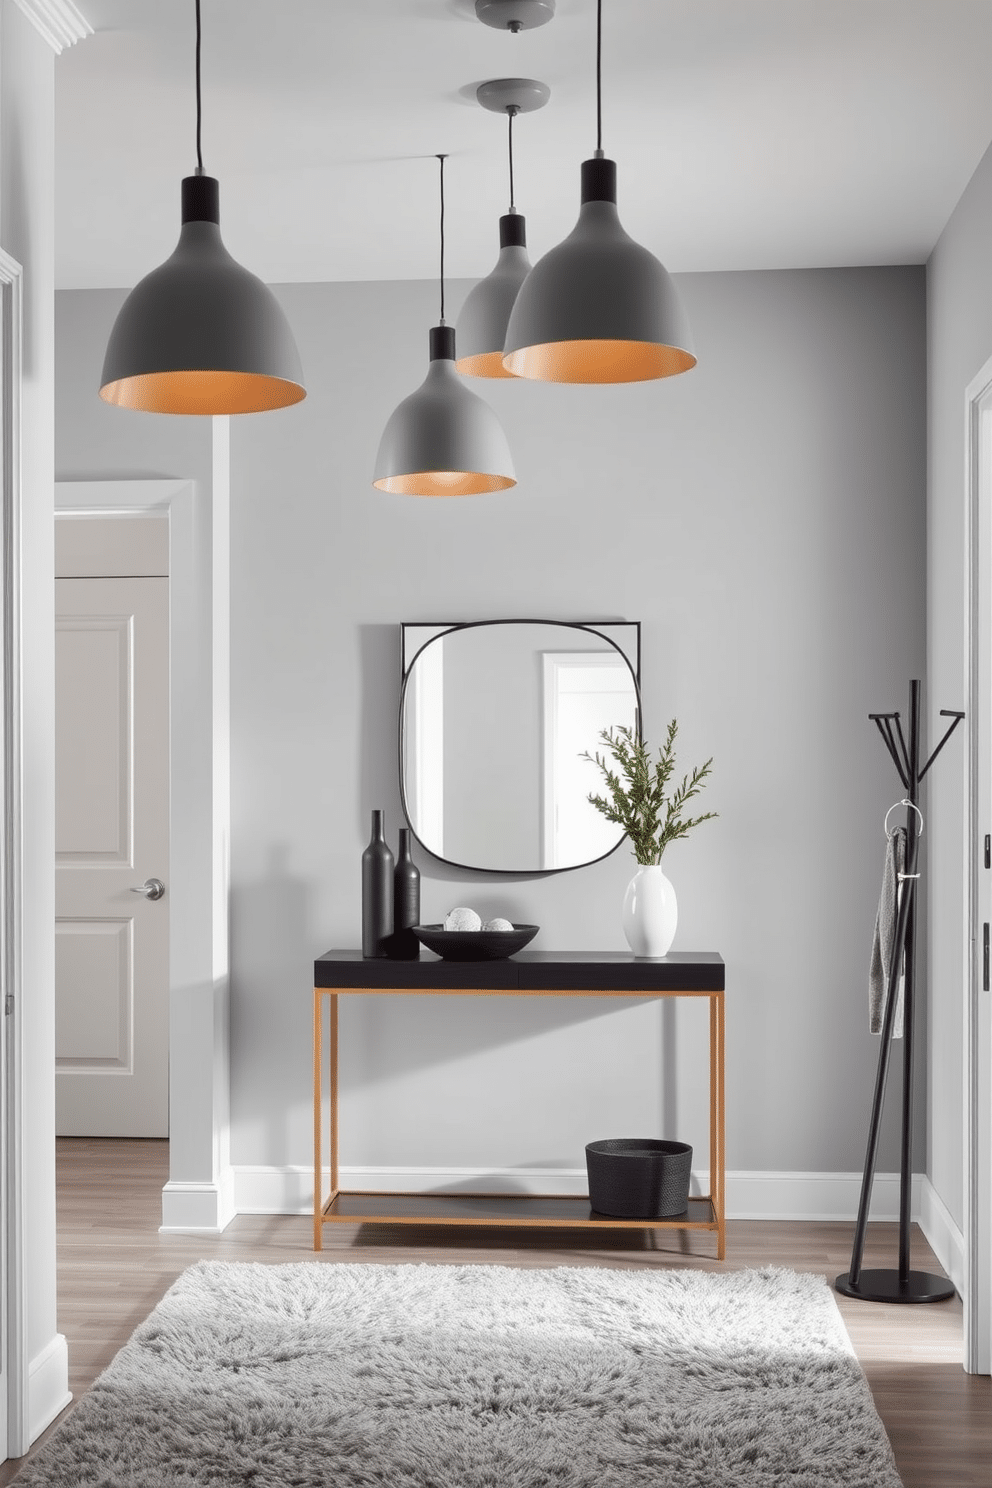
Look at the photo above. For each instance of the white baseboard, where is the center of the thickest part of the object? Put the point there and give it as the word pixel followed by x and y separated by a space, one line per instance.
pixel 944 1237
pixel 202 1208
pixel 826 1196
pixel 48 1386
pixel 750 1195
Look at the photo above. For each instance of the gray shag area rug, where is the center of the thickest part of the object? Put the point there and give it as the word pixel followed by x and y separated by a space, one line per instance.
pixel 410 1376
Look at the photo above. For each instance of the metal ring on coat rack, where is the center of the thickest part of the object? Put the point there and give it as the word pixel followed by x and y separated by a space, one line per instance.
pixel 904 802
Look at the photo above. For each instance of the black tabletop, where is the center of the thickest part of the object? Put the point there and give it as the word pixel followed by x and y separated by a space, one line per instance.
pixel 528 971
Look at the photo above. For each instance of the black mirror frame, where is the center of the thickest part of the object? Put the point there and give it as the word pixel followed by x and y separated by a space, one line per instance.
pixel 445 627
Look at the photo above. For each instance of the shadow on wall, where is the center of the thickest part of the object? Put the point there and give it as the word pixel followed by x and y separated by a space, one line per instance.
pixel 390 1037
pixel 271 1008
pixel 377 722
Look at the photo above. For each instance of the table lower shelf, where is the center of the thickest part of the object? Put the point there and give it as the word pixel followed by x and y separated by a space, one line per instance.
pixel 499 1209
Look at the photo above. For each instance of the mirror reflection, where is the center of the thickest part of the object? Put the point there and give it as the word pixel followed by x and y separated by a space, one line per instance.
pixel 493 720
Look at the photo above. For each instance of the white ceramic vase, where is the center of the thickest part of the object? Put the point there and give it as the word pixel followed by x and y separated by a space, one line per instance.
pixel 650 912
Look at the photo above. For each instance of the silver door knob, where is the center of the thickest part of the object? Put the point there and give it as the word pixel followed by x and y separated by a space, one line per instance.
pixel 152 888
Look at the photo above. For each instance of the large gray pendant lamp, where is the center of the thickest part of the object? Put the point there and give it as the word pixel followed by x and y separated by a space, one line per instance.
pixel 200 334
pixel 599 307
pixel 443 440
pixel 481 328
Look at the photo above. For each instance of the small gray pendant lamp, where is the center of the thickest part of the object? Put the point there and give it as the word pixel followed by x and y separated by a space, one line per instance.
pixel 481 328
pixel 443 440
pixel 599 307
pixel 200 334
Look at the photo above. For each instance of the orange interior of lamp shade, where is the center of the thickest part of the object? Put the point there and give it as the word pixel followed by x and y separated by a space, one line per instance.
pixel 202 392
pixel 486 364
pixel 598 361
pixel 443 483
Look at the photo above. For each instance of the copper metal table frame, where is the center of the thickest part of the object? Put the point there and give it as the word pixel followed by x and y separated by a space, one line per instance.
pixel 707 1212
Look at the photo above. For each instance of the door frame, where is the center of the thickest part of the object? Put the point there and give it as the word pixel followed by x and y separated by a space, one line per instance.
pixel 977 1052
pixel 14 1403
pixel 199 1194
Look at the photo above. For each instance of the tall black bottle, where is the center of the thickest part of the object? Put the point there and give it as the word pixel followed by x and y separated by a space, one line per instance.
pixel 404 945
pixel 377 892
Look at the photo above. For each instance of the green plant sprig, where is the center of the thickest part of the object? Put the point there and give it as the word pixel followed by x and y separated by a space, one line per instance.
pixel 637 797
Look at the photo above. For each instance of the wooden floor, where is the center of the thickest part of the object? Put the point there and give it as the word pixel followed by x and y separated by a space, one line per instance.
pixel 114 1266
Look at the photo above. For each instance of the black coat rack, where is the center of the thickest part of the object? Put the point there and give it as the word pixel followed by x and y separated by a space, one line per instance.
pixel 902 1285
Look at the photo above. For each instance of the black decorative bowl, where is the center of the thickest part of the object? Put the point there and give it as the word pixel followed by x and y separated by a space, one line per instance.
pixel 638 1177
pixel 474 945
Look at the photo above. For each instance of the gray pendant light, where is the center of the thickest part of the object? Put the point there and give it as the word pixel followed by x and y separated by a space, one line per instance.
pixel 200 334
pixel 599 307
pixel 443 440
pixel 485 314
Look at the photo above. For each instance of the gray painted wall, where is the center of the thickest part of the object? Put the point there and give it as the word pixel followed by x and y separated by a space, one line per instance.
pixel 94 441
pixel 959 343
pixel 764 517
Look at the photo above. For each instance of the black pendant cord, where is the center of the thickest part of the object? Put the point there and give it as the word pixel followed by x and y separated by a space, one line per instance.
pixel 199 101
pixel 599 78
pixel 442 159
pixel 902 1285
pixel 512 110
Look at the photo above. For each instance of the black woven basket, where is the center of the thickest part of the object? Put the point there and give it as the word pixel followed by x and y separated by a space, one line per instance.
pixel 639 1178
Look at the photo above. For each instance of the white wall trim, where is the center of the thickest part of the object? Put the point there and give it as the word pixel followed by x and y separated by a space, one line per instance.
pixel 977 1020
pixel 59 21
pixel 943 1235
pixel 816 1196
pixel 198 1208
pixel 220 791
pixel 47 1393
pixel 750 1195
pixel 14 1240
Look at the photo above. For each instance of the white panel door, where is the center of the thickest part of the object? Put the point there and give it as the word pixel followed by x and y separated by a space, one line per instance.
pixel 111 837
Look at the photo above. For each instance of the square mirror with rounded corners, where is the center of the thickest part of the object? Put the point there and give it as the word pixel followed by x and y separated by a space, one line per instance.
pixel 495 718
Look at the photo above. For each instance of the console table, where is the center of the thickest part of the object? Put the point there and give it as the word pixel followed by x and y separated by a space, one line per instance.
pixel 528 974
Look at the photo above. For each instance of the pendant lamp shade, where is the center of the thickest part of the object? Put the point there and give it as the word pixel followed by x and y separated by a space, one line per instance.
pixel 599 307
pixel 443 440
pixel 485 315
pixel 200 334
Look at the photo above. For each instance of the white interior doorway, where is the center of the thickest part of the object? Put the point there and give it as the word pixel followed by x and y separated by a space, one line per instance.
pixel 112 826
pixel 199 1194
pixel 978 1011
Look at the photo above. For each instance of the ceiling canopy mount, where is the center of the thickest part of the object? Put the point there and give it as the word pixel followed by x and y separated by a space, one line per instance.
pixel 523 95
pixel 515 15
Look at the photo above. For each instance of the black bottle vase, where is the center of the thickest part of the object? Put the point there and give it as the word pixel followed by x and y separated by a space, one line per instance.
pixel 377 892
pixel 404 945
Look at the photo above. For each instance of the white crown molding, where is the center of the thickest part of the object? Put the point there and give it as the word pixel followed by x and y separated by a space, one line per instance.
pixel 60 22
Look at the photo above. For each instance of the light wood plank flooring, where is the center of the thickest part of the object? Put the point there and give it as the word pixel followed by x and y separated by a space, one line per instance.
pixel 114 1266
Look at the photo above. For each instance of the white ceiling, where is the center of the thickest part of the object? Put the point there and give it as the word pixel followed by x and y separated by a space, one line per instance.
pixel 749 133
